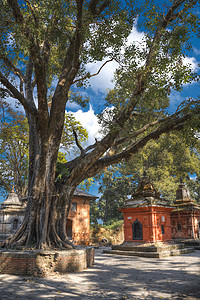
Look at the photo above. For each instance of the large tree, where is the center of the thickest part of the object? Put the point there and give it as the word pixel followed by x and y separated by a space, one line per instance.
pixel 44 48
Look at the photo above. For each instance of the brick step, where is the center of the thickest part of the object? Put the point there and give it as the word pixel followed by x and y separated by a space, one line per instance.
pixel 148 248
pixel 151 254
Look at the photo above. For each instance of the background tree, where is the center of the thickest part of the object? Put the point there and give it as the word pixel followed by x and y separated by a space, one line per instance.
pixel 115 189
pixel 13 151
pixel 45 46
pixel 173 157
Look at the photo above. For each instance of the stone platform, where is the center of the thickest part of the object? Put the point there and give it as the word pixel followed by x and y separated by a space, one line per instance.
pixel 42 263
pixel 195 243
pixel 158 250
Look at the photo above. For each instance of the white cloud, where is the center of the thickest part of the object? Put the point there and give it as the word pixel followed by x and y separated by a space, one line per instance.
pixel 191 62
pixel 103 80
pixel 72 105
pixel 136 36
pixel 90 122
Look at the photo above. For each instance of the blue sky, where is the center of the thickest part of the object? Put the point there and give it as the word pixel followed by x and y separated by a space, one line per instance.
pixel 101 83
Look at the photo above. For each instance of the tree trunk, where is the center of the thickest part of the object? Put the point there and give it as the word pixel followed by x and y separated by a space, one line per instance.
pixel 44 224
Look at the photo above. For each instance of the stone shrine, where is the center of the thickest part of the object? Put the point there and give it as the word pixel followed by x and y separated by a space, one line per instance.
pixel 185 218
pixel 11 214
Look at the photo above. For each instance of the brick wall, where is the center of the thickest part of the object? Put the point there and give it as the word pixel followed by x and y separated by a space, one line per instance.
pixel 152 218
pixel 185 224
pixel 42 263
pixel 80 221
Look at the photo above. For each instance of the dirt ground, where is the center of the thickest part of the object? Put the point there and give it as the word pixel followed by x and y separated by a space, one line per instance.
pixel 114 277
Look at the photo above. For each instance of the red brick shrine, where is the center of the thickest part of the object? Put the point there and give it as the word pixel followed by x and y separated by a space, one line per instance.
pixel 146 216
pixel 185 218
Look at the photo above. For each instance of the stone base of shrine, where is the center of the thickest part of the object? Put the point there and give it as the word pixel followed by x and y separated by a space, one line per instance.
pixel 152 250
pixel 44 263
pixel 195 243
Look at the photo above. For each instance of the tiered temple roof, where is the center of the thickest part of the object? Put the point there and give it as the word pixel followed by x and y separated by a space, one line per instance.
pixel 146 195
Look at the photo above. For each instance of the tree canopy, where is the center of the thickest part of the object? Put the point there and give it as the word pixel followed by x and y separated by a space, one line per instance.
pixel 44 49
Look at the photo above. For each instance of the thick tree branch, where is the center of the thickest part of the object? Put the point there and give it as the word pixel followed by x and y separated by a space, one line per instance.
pixel 72 59
pixel 7 91
pixel 25 30
pixel 146 126
pixel 28 82
pixel 106 161
pixel 15 71
pixel 17 95
pixel 12 67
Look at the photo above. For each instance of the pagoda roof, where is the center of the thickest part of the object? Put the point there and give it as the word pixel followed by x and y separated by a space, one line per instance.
pixel 80 193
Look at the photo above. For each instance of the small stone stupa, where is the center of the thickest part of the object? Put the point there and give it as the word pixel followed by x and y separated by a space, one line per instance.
pixel 185 218
pixel 11 214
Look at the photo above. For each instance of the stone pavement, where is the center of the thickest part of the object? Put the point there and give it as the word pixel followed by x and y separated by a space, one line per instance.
pixel 114 277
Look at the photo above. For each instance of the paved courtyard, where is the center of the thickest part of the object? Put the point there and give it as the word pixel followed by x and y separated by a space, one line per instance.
pixel 114 277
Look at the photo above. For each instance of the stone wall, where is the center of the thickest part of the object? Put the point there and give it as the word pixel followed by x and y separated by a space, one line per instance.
pixel 10 221
pixel 42 263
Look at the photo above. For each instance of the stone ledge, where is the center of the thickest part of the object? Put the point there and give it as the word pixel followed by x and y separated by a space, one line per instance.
pixel 152 248
pixel 150 254
pixel 42 263
pixel 149 250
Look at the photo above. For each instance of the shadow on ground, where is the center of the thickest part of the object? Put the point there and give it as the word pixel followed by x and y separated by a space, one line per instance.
pixel 114 277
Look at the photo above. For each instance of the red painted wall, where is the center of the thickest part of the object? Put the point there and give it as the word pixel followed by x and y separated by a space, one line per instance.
pixel 152 219
pixel 185 224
